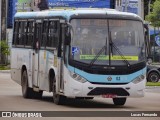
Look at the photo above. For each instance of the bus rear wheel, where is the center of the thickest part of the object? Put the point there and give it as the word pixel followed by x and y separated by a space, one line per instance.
pixel 57 99
pixel 119 101
pixel 26 91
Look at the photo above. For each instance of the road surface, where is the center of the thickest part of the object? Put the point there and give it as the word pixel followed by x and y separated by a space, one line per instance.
pixel 11 100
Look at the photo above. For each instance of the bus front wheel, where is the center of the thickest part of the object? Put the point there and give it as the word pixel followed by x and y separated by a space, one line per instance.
pixel 57 99
pixel 119 101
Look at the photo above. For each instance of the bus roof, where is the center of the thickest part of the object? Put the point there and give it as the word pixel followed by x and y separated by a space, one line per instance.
pixel 85 12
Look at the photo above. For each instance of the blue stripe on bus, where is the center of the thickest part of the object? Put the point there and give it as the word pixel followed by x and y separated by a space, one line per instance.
pixel 103 78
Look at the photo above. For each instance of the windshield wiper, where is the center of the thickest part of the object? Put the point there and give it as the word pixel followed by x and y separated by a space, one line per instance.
pixel 111 43
pixel 98 54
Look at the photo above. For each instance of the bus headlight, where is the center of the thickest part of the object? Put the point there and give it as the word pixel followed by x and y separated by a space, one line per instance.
pixel 77 77
pixel 138 79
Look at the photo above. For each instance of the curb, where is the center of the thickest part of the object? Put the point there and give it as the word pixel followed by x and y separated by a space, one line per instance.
pixel 5 71
pixel 152 87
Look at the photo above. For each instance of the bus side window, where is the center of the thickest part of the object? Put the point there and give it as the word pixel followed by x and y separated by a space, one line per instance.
pixel 44 33
pixel 30 33
pixel 15 33
pixel 52 40
pixel 25 32
pixel 38 34
pixel 20 39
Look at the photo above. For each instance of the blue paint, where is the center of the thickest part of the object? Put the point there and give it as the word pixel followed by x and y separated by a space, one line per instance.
pixel 70 68
pixel 157 39
pixel 12 5
pixel 75 50
pixel 103 78
pixel 130 6
pixel 79 3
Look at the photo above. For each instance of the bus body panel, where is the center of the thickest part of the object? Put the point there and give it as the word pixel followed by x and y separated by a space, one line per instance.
pixel 47 63
pixel 22 57
pixel 96 78
pixel 39 63
pixel 74 88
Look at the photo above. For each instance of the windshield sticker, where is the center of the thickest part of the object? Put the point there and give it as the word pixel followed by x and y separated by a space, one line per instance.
pixel 131 58
pixel 91 57
pixel 104 57
pixel 75 50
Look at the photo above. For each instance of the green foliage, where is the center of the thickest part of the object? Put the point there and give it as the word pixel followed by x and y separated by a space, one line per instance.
pixel 146 7
pixel 4 48
pixel 153 84
pixel 154 16
pixel 2 67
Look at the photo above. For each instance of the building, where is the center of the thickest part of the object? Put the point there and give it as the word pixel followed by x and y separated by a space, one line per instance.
pixel 36 5
pixel 133 6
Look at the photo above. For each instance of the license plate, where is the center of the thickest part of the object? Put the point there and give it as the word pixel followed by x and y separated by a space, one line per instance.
pixel 109 96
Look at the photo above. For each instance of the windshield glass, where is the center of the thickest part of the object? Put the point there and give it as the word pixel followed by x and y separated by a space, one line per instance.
pixel 91 37
pixel 128 37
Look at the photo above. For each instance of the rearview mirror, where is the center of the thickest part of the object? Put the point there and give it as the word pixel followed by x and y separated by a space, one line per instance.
pixel 149 61
pixel 68 30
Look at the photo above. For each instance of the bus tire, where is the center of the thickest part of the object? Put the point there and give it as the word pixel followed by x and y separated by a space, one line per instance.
pixel 57 99
pixel 153 76
pixel 119 101
pixel 89 98
pixel 38 95
pixel 26 91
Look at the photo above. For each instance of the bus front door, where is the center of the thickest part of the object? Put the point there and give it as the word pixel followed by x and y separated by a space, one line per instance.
pixel 60 70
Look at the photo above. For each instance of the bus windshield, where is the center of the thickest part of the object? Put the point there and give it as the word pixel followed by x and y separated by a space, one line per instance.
pixel 91 39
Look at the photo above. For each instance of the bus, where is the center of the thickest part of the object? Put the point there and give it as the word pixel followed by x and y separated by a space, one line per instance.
pixel 79 53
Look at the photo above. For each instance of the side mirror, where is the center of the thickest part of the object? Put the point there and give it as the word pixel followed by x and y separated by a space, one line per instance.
pixel 149 61
pixel 146 33
pixel 68 30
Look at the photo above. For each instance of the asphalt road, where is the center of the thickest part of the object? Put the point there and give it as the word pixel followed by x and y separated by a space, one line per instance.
pixel 11 100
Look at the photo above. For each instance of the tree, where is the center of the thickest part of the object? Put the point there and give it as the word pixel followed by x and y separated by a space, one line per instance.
pixel 146 7
pixel 4 51
pixel 154 16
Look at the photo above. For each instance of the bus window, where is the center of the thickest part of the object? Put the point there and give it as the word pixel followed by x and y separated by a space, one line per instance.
pixel 30 33
pixel 44 33
pixel 24 34
pixel 15 34
pixel 38 34
pixel 20 39
pixel 52 40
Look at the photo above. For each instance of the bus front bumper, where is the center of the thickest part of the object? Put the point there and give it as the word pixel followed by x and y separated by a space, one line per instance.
pixel 75 89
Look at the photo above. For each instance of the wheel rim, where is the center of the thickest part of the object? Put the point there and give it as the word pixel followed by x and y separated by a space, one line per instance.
pixel 154 77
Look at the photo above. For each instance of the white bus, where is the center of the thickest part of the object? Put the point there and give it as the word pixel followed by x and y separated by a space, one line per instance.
pixel 79 53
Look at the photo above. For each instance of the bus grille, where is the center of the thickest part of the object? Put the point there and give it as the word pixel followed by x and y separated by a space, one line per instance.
pixel 103 91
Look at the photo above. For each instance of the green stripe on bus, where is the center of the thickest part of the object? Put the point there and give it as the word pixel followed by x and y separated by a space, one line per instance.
pixel 104 57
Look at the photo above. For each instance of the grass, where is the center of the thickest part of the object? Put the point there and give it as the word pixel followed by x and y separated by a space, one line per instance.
pixel 2 67
pixel 153 84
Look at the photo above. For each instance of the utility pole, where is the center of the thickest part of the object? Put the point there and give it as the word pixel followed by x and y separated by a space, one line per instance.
pixel 3 18
pixel 0 18
pixel 0 26
pixel 149 8
pixel 3 25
